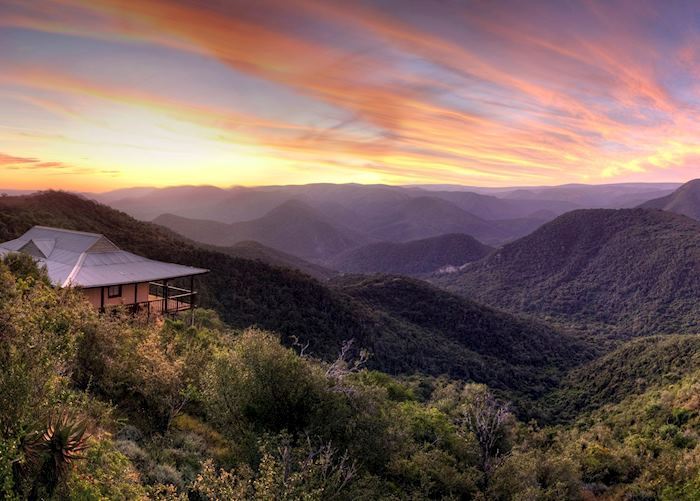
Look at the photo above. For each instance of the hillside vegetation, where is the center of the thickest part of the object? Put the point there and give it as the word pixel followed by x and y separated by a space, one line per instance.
pixel 446 317
pixel 631 369
pixel 109 407
pixel 417 257
pixel 251 293
pixel 625 272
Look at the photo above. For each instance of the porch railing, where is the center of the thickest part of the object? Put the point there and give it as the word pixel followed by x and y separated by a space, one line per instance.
pixel 165 299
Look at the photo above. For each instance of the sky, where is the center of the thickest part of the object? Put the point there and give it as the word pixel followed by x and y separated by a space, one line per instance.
pixel 103 94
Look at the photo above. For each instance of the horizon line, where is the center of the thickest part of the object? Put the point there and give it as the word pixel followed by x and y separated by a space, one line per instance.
pixel 412 185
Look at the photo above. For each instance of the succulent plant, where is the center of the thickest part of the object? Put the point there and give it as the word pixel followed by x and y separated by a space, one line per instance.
pixel 50 451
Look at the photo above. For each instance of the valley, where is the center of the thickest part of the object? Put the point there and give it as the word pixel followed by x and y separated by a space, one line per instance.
pixel 563 323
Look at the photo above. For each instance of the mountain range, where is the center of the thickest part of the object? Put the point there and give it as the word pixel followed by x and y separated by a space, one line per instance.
pixel 293 227
pixel 320 235
pixel 297 228
pixel 236 204
pixel 450 335
pixel 626 272
pixel 580 278
pixel 587 326
pixel 319 222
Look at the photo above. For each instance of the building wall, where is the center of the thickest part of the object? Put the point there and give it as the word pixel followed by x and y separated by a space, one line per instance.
pixel 127 297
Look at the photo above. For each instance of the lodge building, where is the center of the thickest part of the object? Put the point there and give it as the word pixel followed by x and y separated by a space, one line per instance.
pixel 107 275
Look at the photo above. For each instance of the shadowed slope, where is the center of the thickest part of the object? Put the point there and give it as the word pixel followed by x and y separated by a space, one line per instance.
pixel 685 200
pixel 416 257
pixel 632 271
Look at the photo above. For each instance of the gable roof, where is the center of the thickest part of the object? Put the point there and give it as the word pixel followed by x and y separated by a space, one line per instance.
pixel 90 259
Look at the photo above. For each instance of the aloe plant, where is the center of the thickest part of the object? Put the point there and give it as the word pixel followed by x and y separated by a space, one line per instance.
pixel 50 451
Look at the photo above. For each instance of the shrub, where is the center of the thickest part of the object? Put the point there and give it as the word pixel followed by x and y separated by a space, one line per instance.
pixel 130 433
pixel 261 385
pixel 164 474
pixel 131 450
pixel 105 474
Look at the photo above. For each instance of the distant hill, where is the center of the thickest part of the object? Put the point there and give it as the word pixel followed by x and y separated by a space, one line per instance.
pixel 376 212
pixel 250 292
pixel 628 272
pixel 147 203
pixel 360 203
pixel 425 217
pixel 322 233
pixel 244 204
pixel 293 227
pixel 633 368
pixel 493 208
pixel 685 200
pixel 417 257
pixel 588 196
pixel 257 251
pixel 199 230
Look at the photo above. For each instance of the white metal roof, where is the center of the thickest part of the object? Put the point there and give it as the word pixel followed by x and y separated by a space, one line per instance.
pixel 90 259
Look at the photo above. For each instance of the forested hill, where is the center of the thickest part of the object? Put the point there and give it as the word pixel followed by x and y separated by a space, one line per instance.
pixel 628 272
pixel 249 292
pixel 632 369
pixel 102 407
pixel 417 257
pixel 685 200
pixel 448 317
pixel 257 251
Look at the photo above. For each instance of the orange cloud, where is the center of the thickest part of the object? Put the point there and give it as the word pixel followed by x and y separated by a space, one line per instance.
pixel 501 101
pixel 6 159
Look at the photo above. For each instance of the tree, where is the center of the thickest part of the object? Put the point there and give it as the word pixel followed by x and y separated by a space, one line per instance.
pixel 484 416
pixel 285 471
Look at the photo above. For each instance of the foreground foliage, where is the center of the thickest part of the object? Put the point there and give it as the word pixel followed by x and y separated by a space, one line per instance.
pixel 112 408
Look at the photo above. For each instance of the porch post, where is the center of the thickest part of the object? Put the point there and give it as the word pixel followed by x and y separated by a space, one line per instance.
pixel 102 298
pixel 165 293
pixel 136 297
pixel 192 300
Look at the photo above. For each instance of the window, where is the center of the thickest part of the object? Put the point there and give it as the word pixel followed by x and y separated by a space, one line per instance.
pixel 114 291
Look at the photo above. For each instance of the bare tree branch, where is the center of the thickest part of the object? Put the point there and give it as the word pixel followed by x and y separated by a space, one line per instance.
pixel 344 366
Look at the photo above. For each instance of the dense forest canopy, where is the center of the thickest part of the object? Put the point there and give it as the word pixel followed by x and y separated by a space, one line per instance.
pixel 622 273
pixel 108 407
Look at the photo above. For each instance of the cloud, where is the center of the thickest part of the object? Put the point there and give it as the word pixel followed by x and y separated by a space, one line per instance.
pixel 11 162
pixel 6 159
pixel 496 93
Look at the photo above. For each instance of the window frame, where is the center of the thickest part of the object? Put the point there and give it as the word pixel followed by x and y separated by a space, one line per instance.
pixel 109 291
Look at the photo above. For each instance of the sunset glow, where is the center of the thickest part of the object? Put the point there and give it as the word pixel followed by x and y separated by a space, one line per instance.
pixel 103 94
